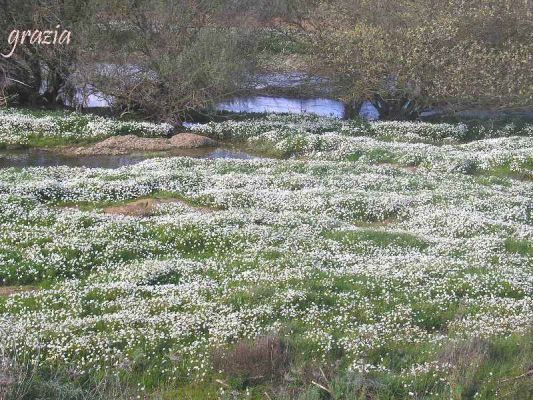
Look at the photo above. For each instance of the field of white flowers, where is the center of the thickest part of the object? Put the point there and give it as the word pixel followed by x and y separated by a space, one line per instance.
pixel 21 128
pixel 369 249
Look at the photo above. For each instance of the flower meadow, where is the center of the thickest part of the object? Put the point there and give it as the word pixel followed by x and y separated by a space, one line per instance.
pixel 385 257
pixel 23 128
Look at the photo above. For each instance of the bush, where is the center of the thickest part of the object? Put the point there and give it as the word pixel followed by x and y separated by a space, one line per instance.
pixel 463 53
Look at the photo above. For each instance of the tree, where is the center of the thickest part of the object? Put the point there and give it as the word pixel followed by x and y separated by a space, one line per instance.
pixel 420 53
pixel 37 74
pixel 167 59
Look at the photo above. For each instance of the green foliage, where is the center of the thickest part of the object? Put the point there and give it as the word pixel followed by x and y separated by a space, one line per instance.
pixel 23 127
pixel 464 53
pixel 378 238
pixel 522 247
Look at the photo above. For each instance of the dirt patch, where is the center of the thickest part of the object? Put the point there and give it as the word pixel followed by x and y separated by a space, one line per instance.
pixel 138 208
pixel 408 168
pixel 373 224
pixel 191 141
pixel 127 144
pixel 9 290
pixel 148 207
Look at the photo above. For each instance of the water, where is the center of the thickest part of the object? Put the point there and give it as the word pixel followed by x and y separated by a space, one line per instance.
pixel 91 98
pixel 264 104
pixel 42 158
pixel 229 155
pixel 88 96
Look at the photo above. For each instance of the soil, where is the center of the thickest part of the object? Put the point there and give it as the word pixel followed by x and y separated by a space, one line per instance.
pixel 9 290
pixel 127 144
pixel 146 207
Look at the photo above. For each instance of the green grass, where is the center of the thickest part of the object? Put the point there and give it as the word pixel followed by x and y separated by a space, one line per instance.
pixel 478 369
pixel 374 156
pixel 206 391
pixel 377 238
pixel 505 171
pixel 55 141
pixel 158 240
pixel 522 247
pixel 335 293
pixel 60 128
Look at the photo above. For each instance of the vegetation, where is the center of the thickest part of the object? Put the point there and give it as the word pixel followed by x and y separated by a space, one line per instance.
pixel 352 259
pixel 400 273
pixel 168 60
pixel 37 129
pixel 406 55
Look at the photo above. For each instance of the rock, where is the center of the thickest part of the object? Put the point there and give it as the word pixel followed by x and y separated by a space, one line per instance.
pixel 368 111
pixel 191 141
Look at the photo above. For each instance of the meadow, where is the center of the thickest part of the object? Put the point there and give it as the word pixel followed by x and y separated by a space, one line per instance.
pixel 355 260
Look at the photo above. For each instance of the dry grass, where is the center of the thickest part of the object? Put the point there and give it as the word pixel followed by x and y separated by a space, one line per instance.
pixel 9 290
pixel 465 355
pixel 264 359
pixel 464 360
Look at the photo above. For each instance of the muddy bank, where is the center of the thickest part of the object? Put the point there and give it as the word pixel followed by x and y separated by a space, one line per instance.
pixel 128 144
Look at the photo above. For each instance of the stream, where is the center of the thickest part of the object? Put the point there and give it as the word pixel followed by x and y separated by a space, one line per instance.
pixel 265 104
pixel 22 158
pixel 88 96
